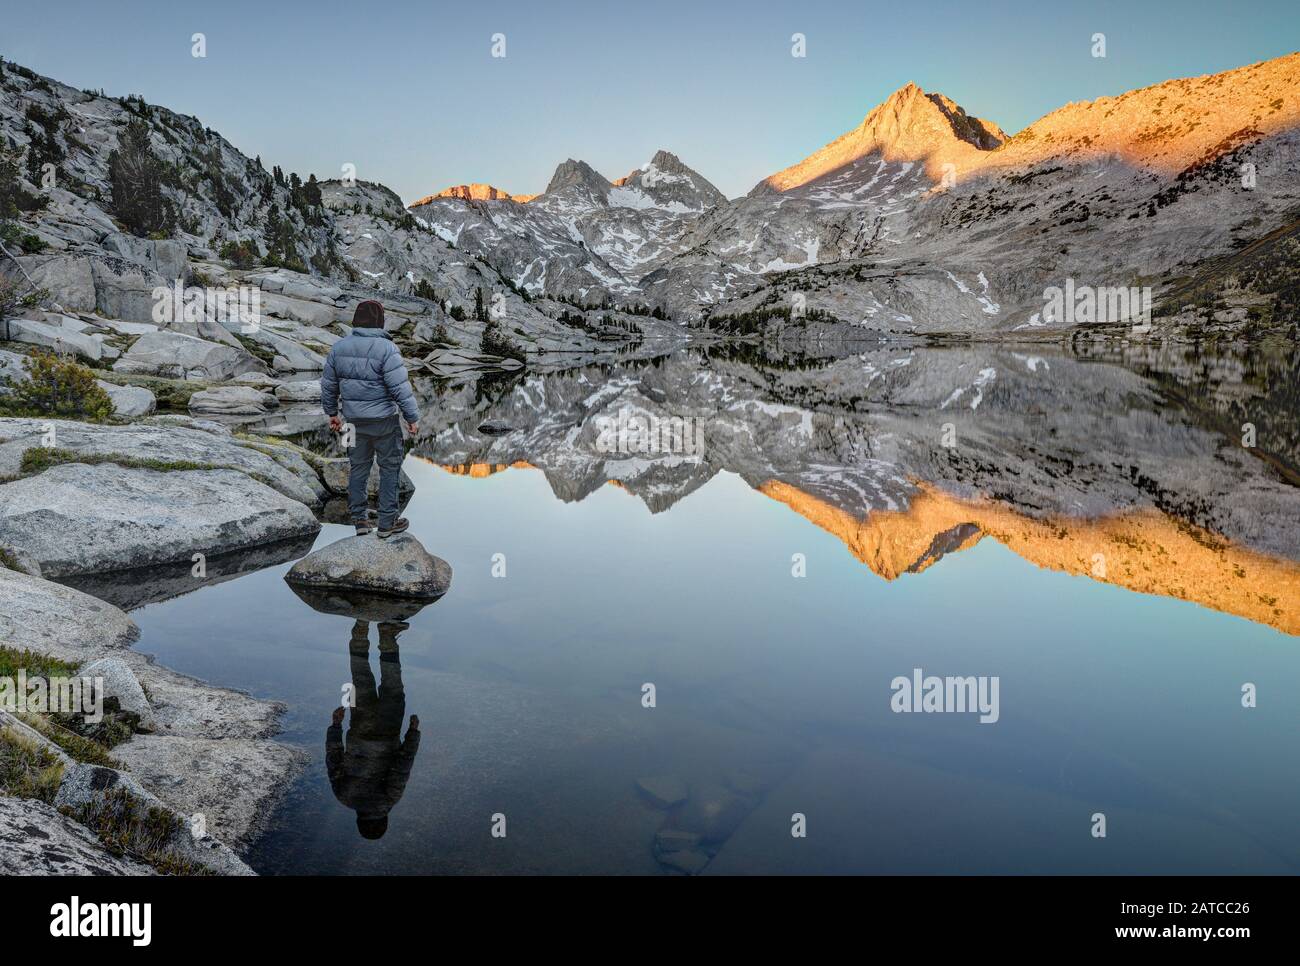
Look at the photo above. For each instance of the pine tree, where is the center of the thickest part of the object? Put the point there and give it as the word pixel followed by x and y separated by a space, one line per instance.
pixel 311 192
pixel 11 191
pixel 136 175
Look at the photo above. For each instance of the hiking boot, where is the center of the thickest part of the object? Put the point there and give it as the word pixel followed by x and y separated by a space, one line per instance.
pixel 363 527
pixel 400 525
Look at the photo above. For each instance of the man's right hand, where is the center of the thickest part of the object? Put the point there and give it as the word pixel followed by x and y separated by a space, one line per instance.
pixel 336 424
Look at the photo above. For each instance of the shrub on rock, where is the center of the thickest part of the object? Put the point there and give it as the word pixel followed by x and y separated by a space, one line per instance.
pixel 56 387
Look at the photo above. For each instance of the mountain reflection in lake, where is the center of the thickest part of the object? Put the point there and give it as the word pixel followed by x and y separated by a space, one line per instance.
pixel 1086 527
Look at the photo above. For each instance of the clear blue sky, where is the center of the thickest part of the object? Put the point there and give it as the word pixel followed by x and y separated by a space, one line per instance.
pixel 410 94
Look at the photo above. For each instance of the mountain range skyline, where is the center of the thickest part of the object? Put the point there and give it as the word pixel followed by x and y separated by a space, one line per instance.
pixel 925 216
pixel 423 78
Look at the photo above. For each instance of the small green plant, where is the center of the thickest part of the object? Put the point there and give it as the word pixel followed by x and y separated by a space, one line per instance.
pixel 13 236
pixel 38 459
pixel 27 769
pixel 13 659
pixel 128 826
pixel 76 746
pixel 15 294
pixel 56 387
pixel 82 740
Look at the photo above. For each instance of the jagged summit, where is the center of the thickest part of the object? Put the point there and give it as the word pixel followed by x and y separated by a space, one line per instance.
pixel 571 172
pixel 663 183
pixel 475 191
pixel 670 184
pixel 909 125
pixel 982 133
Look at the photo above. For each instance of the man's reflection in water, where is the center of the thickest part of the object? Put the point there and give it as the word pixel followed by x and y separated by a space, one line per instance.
pixel 368 773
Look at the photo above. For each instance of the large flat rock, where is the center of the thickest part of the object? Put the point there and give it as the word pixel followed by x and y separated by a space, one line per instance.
pixel 169 438
pixel 234 783
pixel 76 518
pixel 37 839
pixel 233 400
pixel 399 567
pixel 56 338
pixel 86 785
pixel 58 620
pixel 175 355
pixel 307 390
pixel 129 401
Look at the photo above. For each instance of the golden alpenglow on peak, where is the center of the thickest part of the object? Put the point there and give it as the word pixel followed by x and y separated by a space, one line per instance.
pixel 1163 128
pixel 1170 126
pixel 1144 551
pixel 910 125
pixel 475 192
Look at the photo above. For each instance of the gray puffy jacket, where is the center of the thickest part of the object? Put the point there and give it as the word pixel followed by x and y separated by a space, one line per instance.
pixel 364 372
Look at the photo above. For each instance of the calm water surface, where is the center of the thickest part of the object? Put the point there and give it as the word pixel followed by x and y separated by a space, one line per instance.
pixel 772 691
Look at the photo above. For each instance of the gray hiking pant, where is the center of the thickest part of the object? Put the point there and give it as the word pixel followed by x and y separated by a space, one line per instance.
pixel 377 440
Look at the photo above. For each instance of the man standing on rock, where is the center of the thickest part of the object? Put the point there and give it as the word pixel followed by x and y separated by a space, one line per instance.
pixel 365 377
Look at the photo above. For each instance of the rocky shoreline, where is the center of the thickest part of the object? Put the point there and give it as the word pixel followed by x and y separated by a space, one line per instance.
pixel 100 516
pixel 203 753
pixel 166 491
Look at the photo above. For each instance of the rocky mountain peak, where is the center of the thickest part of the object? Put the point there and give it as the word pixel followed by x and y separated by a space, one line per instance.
pixel 912 122
pixel 476 191
pixel 909 125
pixel 670 184
pixel 667 161
pixel 571 172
